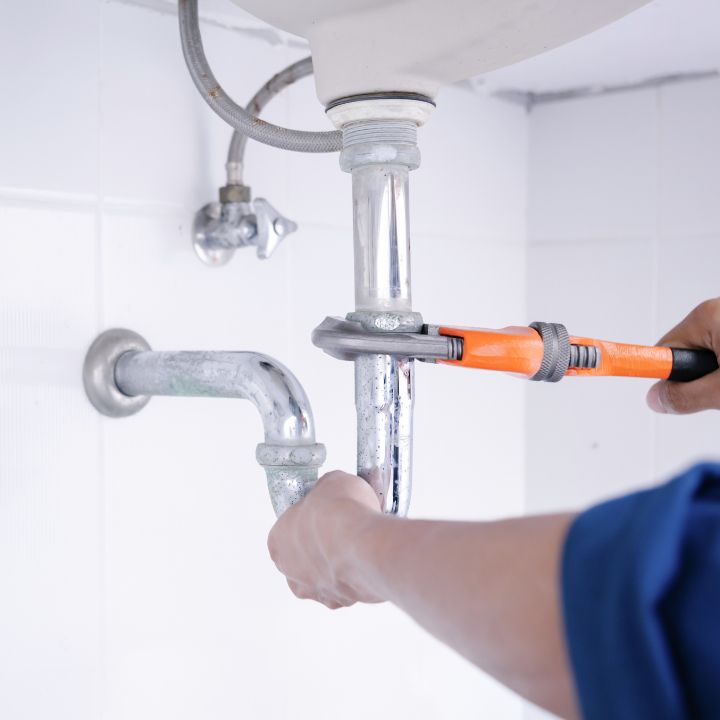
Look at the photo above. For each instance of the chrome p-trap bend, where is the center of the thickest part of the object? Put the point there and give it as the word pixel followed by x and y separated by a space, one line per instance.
pixel 121 373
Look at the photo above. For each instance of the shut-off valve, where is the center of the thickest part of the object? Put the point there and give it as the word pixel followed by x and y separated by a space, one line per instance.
pixel 236 221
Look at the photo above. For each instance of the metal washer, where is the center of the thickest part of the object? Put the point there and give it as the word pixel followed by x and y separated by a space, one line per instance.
pixel 99 372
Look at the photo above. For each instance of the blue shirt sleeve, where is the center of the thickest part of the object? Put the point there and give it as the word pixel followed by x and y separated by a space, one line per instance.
pixel 641 602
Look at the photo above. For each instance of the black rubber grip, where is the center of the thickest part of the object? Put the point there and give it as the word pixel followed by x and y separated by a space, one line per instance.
pixel 692 364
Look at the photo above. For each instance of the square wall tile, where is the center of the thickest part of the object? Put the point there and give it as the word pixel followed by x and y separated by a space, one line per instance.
pixel 50 475
pixel 598 289
pixel 477 281
pixel 47 278
pixel 472 180
pixel 690 158
pixel 594 167
pixel 687 275
pixel 49 123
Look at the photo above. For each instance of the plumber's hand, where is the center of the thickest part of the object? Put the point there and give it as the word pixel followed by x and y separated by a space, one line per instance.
pixel 315 543
pixel 700 329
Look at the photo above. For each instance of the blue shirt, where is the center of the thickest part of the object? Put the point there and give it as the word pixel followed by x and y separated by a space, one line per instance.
pixel 641 597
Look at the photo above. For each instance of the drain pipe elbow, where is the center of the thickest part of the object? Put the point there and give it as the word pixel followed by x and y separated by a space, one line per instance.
pixel 291 472
pixel 121 373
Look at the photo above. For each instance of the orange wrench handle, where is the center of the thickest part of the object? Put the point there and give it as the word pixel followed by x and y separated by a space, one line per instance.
pixel 521 350
pixel 622 360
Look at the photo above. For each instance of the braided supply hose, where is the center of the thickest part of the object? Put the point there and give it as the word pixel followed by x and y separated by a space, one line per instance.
pixel 232 113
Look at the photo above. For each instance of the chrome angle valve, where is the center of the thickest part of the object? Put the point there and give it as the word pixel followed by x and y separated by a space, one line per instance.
pixel 236 221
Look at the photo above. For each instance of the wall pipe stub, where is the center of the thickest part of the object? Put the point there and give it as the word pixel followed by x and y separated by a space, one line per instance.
pixel 121 373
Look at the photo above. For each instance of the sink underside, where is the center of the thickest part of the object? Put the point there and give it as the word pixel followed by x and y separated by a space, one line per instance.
pixel 362 46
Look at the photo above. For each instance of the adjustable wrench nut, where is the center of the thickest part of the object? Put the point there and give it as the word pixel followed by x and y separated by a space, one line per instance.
pixel 556 351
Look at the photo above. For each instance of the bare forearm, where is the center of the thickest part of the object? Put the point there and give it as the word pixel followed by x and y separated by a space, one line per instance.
pixel 488 590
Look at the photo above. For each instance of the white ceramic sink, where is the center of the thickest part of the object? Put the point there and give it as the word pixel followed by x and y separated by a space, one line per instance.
pixel 362 46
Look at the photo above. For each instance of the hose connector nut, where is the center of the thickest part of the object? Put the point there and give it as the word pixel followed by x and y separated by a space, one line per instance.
pixel 235 194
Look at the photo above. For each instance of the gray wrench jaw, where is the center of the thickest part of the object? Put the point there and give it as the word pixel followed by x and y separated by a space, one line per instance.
pixel 348 339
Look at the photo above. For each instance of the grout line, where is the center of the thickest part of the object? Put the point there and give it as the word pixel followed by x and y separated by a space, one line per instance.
pixel 289 260
pixel 530 99
pixel 527 270
pixel 655 281
pixel 69 201
pixel 100 321
pixel 592 240
pixel 55 199
pixel 131 206
pixel 693 236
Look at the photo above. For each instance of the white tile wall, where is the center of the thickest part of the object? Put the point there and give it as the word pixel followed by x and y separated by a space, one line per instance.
pixel 594 168
pixel 50 90
pixel 51 516
pixel 134 578
pixel 481 169
pixel 690 159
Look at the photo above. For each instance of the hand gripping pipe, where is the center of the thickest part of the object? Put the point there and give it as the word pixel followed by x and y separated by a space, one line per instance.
pixel 121 372
pixel 232 113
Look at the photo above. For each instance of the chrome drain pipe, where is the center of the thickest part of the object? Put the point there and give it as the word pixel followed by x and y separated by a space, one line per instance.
pixel 383 303
pixel 379 153
pixel 121 373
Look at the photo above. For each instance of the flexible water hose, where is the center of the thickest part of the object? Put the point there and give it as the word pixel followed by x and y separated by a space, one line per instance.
pixel 231 112
pixel 236 152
